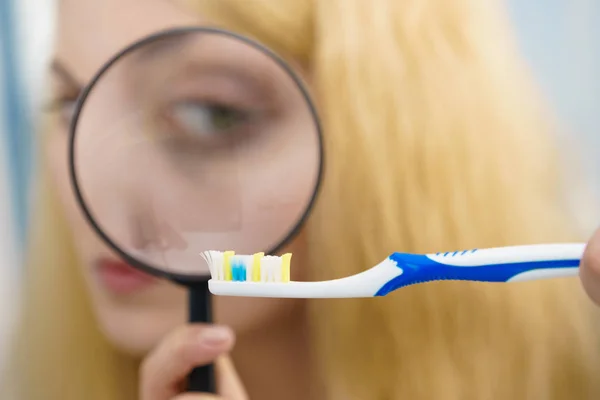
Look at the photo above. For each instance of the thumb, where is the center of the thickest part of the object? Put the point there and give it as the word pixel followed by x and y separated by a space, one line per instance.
pixel 229 384
pixel 590 268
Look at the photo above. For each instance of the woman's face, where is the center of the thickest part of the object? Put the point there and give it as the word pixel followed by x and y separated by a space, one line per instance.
pixel 164 110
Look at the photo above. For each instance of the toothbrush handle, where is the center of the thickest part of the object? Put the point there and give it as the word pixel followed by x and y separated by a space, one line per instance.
pixel 515 263
pixel 536 255
pixel 502 264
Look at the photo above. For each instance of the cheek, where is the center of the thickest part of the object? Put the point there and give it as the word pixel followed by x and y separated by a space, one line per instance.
pixel 57 164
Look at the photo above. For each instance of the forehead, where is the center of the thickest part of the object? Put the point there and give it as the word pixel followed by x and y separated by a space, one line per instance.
pixel 91 31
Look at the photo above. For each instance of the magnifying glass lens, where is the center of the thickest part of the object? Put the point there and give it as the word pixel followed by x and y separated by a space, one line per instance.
pixel 195 141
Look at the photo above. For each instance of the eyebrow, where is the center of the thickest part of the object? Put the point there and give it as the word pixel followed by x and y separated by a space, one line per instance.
pixel 165 46
pixel 59 69
pixel 161 46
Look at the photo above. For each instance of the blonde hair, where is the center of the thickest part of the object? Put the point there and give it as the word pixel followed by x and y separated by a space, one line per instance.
pixel 436 140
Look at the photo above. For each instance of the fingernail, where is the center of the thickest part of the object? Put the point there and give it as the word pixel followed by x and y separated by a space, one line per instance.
pixel 215 336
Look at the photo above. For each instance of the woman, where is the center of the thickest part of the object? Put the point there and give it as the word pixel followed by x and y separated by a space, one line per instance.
pixel 446 149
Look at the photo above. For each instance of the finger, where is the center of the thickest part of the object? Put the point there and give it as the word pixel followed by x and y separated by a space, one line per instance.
pixel 164 370
pixel 228 381
pixel 590 268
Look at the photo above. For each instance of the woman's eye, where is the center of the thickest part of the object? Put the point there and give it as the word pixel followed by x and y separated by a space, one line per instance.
pixel 201 119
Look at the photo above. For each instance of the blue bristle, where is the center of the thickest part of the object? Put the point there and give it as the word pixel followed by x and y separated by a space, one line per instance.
pixel 238 270
pixel 242 271
pixel 234 270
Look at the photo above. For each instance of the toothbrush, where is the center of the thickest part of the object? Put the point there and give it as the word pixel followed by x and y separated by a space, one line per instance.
pixel 269 276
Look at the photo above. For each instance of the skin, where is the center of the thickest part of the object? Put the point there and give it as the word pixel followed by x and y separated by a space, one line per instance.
pixel 150 323
pixel 590 268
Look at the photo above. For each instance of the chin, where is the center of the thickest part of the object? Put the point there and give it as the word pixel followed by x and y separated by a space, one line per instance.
pixel 136 322
pixel 137 331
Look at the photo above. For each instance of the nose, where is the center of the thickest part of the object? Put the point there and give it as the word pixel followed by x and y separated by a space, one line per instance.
pixel 150 231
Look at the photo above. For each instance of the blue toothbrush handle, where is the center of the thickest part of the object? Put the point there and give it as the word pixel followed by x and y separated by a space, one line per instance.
pixel 502 264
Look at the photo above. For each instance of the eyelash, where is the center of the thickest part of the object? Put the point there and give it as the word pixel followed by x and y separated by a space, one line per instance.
pixel 176 120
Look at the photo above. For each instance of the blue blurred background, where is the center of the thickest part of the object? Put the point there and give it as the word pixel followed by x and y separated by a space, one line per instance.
pixel 26 28
pixel 16 117
pixel 561 40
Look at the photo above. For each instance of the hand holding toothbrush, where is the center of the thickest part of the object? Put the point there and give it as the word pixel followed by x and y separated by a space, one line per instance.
pixel 590 268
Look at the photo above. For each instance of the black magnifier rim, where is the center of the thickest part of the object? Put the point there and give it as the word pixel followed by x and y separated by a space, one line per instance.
pixel 186 279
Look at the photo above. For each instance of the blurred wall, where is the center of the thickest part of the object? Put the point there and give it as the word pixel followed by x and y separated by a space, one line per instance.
pixel 561 39
pixel 8 254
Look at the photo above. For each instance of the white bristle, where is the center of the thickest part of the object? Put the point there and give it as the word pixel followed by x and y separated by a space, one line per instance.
pixel 208 259
pixel 214 259
pixel 277 272
pixel 264 269
pixel 267 264
pixel 271 269
pixel 276 268
pixel 247 260
pixel 219 261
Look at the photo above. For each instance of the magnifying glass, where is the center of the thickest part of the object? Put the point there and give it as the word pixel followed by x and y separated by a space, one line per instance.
pixel 190 140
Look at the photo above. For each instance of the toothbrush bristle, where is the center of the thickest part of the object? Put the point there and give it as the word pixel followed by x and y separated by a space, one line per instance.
pixel 227 266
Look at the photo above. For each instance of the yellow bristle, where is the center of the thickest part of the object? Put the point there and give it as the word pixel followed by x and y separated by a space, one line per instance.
pixel 256 266
pixel 227 264
pixel 286 260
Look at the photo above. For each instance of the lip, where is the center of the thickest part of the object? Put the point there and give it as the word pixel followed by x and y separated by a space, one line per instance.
pixel 121 278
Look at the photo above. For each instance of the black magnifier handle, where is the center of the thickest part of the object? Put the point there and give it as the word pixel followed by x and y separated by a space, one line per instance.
pixel 201 379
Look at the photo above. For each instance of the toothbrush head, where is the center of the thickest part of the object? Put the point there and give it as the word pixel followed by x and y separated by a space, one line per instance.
pixel 229 267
